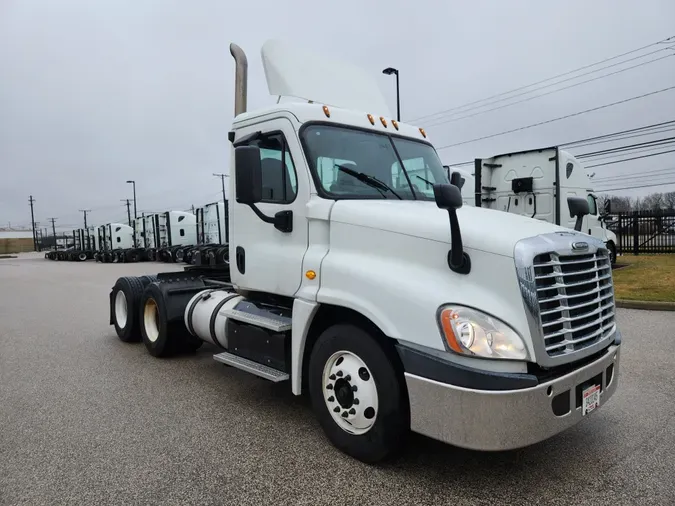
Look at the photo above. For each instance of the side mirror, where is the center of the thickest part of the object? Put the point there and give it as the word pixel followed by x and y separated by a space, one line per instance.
pixel 449 197
pixel 457 180
pixel 578 207
pixel 248 174
pixel 608 206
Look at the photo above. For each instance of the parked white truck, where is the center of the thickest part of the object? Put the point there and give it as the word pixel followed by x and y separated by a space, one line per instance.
pixel 212 236
pixel 537 183
pixel 371 288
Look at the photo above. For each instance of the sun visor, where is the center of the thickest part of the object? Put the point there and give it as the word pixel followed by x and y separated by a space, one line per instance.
pixel 294 72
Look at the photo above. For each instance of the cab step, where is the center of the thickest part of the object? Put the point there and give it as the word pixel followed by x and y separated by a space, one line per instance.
pixel 247 365
pixel 270 321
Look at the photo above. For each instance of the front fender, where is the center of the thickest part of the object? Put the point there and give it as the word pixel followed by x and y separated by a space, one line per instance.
pixel 399 282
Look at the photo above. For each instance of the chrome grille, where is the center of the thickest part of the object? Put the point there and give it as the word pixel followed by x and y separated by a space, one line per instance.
pixel 575 298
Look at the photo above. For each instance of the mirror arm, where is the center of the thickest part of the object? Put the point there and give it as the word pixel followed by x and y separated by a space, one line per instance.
pixel 579 222
pixel 259 214
pixel 458 260
pixel 282 221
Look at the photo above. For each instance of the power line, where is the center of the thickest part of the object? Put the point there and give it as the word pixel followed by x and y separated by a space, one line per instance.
pixel 636 187
pixel 620 132
pixel 638 175
pixel 666 40
pixel 627 147
pixel 585 111
pixel 633 152
pixel 629 159
pixel 437 123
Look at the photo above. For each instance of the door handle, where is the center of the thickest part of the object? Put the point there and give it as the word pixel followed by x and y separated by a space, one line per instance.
pixel 241 259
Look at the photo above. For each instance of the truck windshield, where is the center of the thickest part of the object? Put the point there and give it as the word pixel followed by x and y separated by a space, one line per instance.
pixel 337 155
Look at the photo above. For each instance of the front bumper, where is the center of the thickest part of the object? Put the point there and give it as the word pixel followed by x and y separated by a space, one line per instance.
pixel 506 419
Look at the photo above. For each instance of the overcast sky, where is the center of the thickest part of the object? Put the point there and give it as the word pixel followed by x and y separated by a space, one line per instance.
pixel 95 93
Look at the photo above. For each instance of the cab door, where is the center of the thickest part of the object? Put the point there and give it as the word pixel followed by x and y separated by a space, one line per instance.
pixel 263 258
pixel 592 224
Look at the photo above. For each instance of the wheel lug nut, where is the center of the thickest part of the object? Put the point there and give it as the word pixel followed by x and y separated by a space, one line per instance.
pixel 352 411
pixel 339 373
pixel 331 399
pixel 332 377
pixel 354 388
pixel 336 409
pixel 348 377
pixel 356 401
pixel 329 386
pixel 344 414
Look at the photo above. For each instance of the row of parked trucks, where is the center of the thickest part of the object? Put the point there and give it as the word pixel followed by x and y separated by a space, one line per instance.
pixel 171 236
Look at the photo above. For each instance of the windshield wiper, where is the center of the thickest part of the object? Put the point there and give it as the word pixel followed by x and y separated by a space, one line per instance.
pixel 425 180
pixel 369 180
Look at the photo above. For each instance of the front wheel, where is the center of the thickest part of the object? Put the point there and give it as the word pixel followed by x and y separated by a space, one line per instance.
pixel 357 394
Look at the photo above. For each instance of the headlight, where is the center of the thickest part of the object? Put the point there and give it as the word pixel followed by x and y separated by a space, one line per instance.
pixel 470 332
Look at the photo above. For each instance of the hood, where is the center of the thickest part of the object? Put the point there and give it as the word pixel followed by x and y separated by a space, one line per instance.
pixel 482 229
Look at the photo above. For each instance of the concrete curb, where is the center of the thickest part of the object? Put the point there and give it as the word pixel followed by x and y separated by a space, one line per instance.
pixel 644 304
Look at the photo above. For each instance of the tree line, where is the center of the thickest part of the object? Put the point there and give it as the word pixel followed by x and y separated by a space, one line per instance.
pixel 652 202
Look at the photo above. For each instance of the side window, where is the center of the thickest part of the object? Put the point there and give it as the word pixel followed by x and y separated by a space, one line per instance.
pixel 592 207
pixel 182 232
pixel 119 239
pixel 279 180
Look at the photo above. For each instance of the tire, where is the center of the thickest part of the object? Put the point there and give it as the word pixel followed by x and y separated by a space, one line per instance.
pixel 388 433
pixel 612 253
pixel 179 254
pixel 161 337
pixel 151 255
pixel 223 256
pixel 132 257
pixel 124 300
pixel 81 257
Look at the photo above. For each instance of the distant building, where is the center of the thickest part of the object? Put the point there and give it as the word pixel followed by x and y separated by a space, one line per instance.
pixel 15 240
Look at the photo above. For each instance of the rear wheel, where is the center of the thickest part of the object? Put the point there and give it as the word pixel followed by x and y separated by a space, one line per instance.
pixel 357 394
pixel 82 257
pixel 124 308
pixel 161 336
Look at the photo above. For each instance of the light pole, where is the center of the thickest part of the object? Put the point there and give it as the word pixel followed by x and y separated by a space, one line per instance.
pixel 134 183
pixel 389 71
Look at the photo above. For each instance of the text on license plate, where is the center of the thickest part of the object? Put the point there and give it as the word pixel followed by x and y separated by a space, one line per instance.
pixel 591 399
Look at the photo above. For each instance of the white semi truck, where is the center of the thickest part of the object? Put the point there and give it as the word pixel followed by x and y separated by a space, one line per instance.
pixel 212 236
pixel 113 238
pixel 537 183
pixel 373 290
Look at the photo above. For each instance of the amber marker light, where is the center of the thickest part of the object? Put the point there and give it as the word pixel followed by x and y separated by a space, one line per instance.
pixel 447 316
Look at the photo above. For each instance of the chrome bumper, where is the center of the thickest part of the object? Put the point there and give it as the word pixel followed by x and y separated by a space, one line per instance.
pixel 503 420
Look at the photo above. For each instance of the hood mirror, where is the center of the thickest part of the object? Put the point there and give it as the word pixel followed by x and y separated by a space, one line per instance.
pixel 578 209
pixel 449 197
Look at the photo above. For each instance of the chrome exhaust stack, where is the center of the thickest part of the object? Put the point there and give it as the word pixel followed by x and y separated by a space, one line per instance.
pixel 240 78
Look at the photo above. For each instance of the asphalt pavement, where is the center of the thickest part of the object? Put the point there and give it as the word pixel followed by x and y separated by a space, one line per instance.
pixel 87 419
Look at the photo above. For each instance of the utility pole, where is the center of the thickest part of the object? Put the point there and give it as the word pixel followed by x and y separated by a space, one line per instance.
pixel 135 213
pixel 53 220
pixel 128 209
pixel 226 215
pixel 32 220
pixel 85 211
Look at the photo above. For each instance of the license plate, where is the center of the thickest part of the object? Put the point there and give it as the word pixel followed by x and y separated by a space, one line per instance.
pixel 591 399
